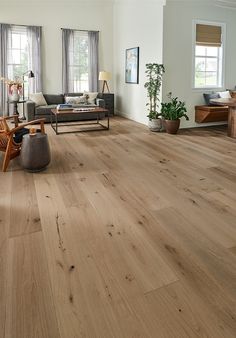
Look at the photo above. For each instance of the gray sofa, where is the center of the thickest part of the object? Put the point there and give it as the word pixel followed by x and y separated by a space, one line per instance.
pixel 33 112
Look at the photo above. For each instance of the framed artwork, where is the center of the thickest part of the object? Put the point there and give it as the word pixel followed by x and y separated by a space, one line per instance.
pixel 132 65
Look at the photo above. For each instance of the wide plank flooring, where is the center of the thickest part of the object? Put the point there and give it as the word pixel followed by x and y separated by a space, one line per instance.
pixel 128 233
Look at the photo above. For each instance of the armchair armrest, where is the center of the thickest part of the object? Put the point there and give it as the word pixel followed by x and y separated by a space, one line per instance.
pixel 30 110
pixel 22 125
pixel 15 117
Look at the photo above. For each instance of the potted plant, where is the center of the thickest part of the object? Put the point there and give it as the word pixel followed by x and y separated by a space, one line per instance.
pixel 154 72
pixel 171 112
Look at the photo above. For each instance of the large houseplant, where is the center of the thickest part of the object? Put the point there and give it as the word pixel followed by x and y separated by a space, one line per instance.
pixel 171 112
pixel 154 72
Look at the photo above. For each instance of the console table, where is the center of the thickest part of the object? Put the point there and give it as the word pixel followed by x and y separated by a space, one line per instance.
pixel 15 107
pixel 231 103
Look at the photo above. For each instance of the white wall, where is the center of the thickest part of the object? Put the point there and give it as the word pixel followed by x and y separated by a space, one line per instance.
pixel 137 23
pixel 177 49
pixel 55 14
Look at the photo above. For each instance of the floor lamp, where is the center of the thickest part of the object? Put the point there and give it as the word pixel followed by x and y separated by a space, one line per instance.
pixel 29 74
pixel 104 76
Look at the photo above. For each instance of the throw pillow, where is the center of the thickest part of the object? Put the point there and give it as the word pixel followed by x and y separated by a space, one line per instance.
pixel 225 94
pixel 208 97
pixel 75 99
pixel 91 96
pixel 38 99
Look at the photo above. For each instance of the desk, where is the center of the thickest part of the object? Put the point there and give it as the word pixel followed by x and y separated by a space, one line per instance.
pixel 231 103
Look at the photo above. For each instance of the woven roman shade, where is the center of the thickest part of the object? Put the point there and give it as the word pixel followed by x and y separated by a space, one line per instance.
pixel 208 35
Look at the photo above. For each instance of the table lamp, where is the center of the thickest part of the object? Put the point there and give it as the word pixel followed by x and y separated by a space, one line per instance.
pixel 104 76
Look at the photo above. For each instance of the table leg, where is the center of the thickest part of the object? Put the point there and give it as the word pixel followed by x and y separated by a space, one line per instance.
pixel 15 110
pixel 232 122
pixel 56 124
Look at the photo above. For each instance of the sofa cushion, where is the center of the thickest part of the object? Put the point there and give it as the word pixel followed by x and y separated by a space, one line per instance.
pixel 54 98
pixel 44 110
pixel 73 94
pixel 38 99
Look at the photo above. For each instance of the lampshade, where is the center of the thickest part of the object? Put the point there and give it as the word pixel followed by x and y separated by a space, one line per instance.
pixel 104 76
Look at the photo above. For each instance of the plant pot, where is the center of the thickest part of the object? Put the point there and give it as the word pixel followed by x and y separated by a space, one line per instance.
pixel 172 126
pixel 155 124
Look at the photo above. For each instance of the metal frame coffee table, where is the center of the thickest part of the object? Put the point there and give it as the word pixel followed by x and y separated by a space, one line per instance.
pixel 96 110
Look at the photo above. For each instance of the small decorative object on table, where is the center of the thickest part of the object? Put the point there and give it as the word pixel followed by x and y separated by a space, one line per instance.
pixel 32 131
pixel 15 89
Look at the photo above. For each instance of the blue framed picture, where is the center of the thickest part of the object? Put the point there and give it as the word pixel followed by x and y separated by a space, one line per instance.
pixel 132 65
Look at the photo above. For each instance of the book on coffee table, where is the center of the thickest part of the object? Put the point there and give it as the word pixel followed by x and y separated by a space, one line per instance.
pixel 64 106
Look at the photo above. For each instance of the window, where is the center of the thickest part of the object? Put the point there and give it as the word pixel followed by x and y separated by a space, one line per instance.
pixel 208 55
pixel 18 53
pixel 78 62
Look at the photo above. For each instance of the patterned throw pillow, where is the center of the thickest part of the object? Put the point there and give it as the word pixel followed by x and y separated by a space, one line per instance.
pixel 75 99
pixel 91 96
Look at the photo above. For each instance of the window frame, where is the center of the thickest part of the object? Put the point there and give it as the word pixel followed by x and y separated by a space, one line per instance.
pixel 77 35
pixel 17 30
pixel 223 30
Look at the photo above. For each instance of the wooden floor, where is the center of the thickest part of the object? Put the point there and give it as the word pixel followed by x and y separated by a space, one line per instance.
pixel 128 233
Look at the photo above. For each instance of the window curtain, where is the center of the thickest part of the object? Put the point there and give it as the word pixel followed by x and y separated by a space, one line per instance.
pixel 67 41
pixel 93 38
pixel 34 34
pixel 34 39
pixel 68 52
pixel 4 29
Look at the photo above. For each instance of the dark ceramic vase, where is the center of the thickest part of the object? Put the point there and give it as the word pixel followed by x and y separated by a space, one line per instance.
pixel 172 126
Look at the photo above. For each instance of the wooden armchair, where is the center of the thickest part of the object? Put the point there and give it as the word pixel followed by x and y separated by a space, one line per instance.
pixel 8 145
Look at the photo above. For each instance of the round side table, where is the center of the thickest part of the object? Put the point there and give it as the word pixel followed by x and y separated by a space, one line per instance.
pixel 35 152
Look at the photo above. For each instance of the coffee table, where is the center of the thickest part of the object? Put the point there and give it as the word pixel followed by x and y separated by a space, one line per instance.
pixel 78 111
pixel 231 103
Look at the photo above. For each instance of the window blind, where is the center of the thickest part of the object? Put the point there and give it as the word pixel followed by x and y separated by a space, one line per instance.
pixel 208 35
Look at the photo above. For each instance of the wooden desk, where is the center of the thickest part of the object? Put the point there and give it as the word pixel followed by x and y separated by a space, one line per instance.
pixel 231 103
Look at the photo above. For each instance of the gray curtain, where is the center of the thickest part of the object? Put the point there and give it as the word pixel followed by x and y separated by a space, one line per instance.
pixel 34 38
pixel 4 29
pixel 67 39
pixel 93 38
